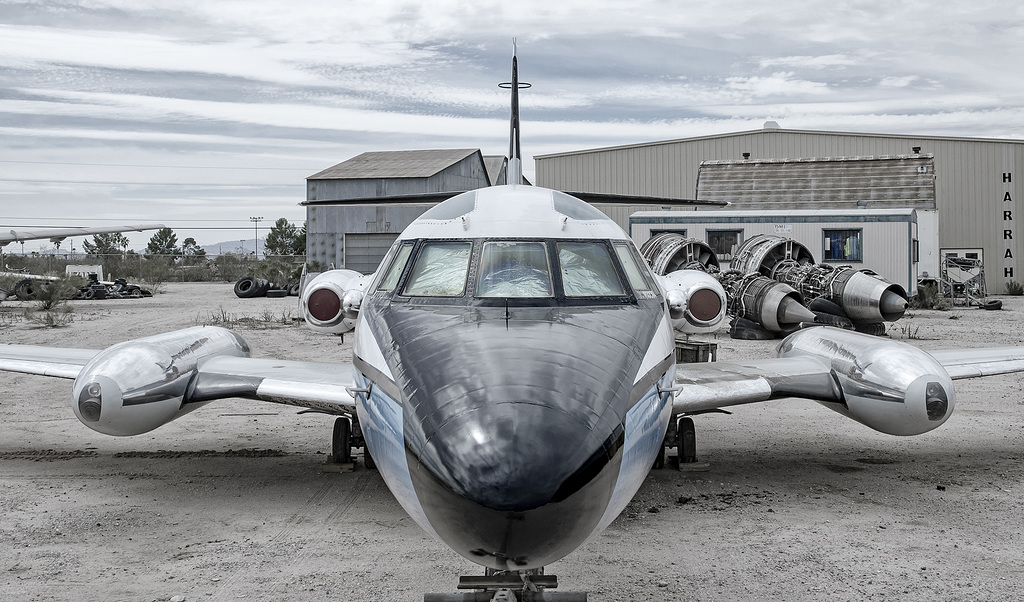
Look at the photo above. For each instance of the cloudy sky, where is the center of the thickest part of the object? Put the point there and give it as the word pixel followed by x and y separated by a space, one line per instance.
pixel 202 114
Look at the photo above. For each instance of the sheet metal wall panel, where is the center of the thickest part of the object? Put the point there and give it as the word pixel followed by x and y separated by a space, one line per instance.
pixel 969 189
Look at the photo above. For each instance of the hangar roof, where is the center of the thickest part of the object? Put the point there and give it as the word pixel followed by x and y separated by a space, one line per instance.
pixel 394 164
pixel 769 129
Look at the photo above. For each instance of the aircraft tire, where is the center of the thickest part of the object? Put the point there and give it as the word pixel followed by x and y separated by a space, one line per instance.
pixel 659 460
pixel 828 319
pixel 749 330
pixel 687 450
pixel 246 287
pixel 262 286
pixel 341 441
pixel 876 329
pixel 25 290
pixel 824 305
pixel 277 293
pixel 293 290
pixel 991 304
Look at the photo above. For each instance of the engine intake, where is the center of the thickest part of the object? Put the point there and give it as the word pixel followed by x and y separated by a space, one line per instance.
pixel 696 301
pixel 331 301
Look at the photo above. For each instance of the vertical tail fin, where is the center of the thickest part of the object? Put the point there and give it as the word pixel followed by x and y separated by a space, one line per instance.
pixel 514 173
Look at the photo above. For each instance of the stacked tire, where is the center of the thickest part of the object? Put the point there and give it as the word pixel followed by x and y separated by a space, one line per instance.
pixel 249 287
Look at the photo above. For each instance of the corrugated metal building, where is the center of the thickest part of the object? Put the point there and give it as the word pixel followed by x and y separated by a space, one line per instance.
pixel 349 222
pixel 356 209
pixel 978 182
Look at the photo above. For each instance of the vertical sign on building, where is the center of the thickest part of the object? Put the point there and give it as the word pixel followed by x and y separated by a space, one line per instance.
pixel 1009 240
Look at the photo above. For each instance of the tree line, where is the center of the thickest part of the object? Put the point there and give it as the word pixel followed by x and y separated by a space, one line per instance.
pixel 284 238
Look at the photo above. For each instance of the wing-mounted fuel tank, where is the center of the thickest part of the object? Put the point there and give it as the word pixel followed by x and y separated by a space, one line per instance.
pixel 330 302
pixel 696 301
pixel 890 386
pixel 136 386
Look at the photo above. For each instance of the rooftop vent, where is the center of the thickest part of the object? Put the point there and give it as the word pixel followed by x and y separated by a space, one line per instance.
pixel 772 125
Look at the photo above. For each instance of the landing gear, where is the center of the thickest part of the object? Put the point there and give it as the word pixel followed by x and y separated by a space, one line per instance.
pixel 682 436
pixel 346 436
pixel 341 442
pixel 509 586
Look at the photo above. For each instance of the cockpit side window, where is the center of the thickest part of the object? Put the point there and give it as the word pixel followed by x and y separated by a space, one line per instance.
pixel 587 270
pixel 440 270
pixel 394 270
pixel 633 270
pixel 514 269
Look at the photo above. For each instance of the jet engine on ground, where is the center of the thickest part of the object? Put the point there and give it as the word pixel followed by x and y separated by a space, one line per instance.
pixel 330 302
pixel 859 295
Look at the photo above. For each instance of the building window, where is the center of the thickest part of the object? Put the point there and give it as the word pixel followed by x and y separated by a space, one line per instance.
pixel 843 245
pixel 724 242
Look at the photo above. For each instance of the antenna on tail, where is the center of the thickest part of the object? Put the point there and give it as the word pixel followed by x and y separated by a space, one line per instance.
pixel 515 162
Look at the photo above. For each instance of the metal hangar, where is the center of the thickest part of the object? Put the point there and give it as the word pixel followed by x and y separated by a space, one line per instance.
pixel 973 186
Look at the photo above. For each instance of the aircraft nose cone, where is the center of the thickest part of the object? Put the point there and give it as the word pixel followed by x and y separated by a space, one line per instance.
pixel 516 484
pixel 517 456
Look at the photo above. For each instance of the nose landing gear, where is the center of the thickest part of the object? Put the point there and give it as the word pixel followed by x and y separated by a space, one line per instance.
pixel 509 586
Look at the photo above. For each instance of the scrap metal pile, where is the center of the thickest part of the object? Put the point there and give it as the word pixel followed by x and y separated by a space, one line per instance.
pixel 774 287
pixel 29 289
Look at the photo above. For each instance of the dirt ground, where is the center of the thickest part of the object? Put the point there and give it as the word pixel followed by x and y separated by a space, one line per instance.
pixel 232 502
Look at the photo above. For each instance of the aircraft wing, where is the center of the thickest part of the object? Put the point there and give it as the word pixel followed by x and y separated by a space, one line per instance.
pixel 58 234
pixel 709 386
pixel 972 363
pixel 318 386
pixel 314 385
pixel 44 361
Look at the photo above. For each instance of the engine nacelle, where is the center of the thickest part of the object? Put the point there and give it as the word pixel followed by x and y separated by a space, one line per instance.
pixel 892 387
pixel 133 387
pixel 696 301
pixel 331 301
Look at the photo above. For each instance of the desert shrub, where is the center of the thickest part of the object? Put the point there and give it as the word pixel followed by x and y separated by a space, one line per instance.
pixel 1014 288
pixel 928 297
pixel 54 317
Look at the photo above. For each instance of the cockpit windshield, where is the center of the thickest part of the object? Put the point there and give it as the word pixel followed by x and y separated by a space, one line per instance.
pixel 440 270
pixel 514 269
pixel 587 270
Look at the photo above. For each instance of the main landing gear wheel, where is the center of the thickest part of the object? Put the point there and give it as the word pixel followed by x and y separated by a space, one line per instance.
pixel 341 441
pixel 687 434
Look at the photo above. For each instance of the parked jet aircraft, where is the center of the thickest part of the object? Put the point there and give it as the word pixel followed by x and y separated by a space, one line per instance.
pixel 59 234
pixel 513 374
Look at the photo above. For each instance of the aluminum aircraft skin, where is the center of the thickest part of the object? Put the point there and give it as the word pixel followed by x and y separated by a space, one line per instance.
pixel 513 371
pixel 59 234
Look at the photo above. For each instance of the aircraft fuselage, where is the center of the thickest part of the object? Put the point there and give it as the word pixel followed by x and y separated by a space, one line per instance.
pixel 517 384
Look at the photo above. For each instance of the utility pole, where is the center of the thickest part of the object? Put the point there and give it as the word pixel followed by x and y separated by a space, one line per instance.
pixel 256 223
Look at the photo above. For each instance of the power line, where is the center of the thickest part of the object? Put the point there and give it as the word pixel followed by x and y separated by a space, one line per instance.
pixel 302 169
pixel 122 183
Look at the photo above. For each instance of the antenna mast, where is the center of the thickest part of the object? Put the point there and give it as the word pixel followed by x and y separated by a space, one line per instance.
pixel 514 173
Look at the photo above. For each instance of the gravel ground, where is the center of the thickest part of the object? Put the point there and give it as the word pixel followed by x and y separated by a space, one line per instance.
pixel 231 502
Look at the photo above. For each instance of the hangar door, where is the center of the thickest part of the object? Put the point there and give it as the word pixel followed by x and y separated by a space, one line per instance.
pixel 363 252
